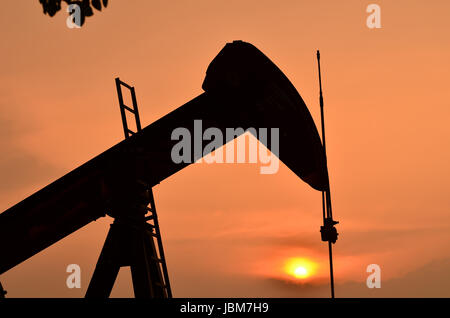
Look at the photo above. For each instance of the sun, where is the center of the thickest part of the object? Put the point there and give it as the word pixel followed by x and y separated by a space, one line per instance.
pixel 300 268
pixel 301 272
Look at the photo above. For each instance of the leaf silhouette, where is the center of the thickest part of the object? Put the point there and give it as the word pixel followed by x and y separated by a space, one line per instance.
pixel 51 7
pixel 97 5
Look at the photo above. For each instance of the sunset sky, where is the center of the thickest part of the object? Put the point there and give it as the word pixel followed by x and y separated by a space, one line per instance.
pixel 228 231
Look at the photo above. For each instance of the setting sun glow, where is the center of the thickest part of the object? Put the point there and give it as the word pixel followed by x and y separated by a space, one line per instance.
pixel 301 272
pixel 300 268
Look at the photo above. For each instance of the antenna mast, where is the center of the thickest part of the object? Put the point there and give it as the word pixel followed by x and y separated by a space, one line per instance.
pixel 328 231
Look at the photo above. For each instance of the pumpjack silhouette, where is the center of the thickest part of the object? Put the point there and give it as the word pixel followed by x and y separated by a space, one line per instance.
pixel 242 88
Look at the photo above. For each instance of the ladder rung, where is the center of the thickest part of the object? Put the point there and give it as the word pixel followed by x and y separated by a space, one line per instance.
pixel 157 259
pixel 161 285
pixel 155 235
pixel 151 227
pixel 148 218
pixel 125 84
pixel 128 108
pixel 131 132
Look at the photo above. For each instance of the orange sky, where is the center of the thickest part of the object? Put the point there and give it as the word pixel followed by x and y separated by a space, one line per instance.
pixel 386 100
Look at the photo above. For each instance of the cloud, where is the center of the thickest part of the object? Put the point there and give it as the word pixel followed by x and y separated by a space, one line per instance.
pixel 430 280
pixel 18 167
pixel 357 242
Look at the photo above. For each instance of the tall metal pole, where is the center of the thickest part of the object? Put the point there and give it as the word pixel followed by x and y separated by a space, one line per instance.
pixel 326 197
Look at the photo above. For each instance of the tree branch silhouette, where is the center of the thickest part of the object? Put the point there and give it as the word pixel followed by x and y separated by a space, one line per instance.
pixel 51 7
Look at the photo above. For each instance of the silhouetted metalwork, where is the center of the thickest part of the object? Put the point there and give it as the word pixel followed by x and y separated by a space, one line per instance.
pixel 243 88
pixel 124 108
pixel 131 240
pixel 328 230
pixel 2 291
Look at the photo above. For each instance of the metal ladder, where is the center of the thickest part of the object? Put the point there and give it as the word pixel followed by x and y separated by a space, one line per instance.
pixel 134 238
pixel 151 209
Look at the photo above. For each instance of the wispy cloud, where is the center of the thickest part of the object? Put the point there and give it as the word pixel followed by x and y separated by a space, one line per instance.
pixel 19 168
